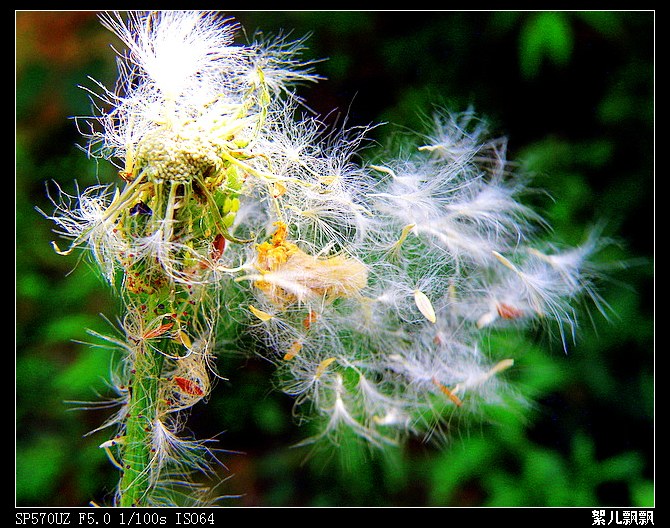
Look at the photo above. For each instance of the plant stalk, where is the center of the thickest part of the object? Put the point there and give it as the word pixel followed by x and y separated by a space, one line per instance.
pixel 137 452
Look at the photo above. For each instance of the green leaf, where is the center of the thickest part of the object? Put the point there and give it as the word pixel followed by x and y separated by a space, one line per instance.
pixel 270 417
pixel 455 466
pixel 622 466
pixel 84 374
pixel 643 494
pixel 504 490
pixel 546 36
pixel 68 327
pixel 607 23
pixel 38 468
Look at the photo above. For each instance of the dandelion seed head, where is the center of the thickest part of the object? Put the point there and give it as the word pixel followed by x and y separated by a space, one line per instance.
pixel 371 287
pixel 177 157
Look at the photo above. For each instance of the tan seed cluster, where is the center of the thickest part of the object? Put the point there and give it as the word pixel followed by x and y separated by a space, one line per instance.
pixel 176 156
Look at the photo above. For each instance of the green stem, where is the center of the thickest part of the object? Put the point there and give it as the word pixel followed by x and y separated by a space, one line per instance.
pixel 136 480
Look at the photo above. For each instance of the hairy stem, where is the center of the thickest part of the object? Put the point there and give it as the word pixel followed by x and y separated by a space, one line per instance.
pixel 137 454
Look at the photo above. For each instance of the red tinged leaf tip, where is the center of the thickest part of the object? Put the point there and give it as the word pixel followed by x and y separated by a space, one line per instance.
pixel 156 332
pixel 508 312
pixel 218 246
pixel 188 386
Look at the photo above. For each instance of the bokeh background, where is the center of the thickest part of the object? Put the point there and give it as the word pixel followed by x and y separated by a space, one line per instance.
pixel 573 91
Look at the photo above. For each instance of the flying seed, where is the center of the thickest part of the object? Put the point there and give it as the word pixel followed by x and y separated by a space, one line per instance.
pixel 446 391
pixel 500 366
pixel 322 367
pixel 405 231
pixel 430 148
pixel 293 351
pixel 395 249
pixel 278 189
pixel 424 305
pixel 506 262
pixel 309 319
pixel 263 316
pixel 385 170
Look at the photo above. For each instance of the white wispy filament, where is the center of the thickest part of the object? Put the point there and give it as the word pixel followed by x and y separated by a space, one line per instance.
pixel 371 285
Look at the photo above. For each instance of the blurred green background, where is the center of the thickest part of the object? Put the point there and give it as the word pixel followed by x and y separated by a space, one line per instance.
pixel 573 91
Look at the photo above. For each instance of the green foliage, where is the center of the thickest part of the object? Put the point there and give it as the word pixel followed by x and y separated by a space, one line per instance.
pixel 39 465
pixel 572 90
pixel 546 36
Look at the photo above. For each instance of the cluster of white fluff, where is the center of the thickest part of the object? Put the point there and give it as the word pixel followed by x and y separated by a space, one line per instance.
pixel 371 285
pixel 447 249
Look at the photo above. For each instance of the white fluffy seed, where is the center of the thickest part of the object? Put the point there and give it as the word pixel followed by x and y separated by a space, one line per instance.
pixel 425 306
